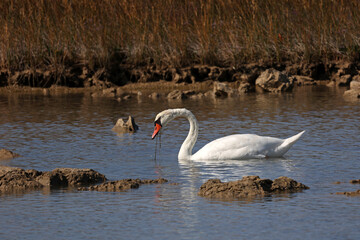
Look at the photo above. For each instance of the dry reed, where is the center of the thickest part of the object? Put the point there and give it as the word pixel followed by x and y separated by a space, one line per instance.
pixel 57 33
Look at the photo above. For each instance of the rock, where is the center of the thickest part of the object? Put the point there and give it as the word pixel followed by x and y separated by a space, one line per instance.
pixel 246 88
pixel 126 97
pixel 248 187
pixel 7 154
pixel 153 181
pixel 99 79
pixel 16 179
pixel 129 126
pixel 303 80
pixel 283 184
pixel 355 193
pixel 244 78
pixel 344 80
pixel 355 181
pixel 214 73
pixel 71 177
pixel 209 94
pixel 272 80
pixel 113 186
pixel 154 95
pixel 176 94
pixel 109 92
pixel 354 91
pixel 122 185
pixel 200 72
pixel 190 94
pixel 197 96
pixel 222 90
pixel 344 73
pixel 226 75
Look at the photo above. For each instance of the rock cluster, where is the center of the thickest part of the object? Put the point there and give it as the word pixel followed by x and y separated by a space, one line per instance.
pixel 105 81
pixel 248 187
pixel 14 179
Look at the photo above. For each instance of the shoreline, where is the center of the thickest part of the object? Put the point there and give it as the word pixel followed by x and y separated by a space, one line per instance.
pixel 189 81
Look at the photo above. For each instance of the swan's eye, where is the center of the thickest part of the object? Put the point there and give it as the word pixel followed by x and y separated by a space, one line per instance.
pixel 157 122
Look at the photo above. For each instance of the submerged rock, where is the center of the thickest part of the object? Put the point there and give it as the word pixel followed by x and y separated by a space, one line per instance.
pixel 122 185
pixel 122 126
pixel 14 179
pixel 248 187
pixel 355 193
pixel 7 154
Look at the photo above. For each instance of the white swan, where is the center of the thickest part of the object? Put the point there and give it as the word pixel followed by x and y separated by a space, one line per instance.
pixel 232 147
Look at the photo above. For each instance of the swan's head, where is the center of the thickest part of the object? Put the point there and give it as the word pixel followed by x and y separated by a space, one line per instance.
pixel 162 119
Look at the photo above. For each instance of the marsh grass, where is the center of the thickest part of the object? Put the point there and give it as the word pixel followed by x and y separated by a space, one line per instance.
pixel 43 33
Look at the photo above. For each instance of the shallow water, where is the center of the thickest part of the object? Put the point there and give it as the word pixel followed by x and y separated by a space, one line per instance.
pixel 75 131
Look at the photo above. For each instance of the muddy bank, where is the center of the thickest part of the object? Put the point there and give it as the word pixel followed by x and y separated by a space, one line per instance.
pixel 248 187
pixel 124 81
pixel 122 185
pixel 14 179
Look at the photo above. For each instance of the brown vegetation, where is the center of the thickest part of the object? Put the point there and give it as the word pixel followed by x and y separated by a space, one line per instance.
pixel 56 34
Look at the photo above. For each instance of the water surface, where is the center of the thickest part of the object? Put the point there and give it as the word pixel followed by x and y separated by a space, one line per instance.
pixel 75 131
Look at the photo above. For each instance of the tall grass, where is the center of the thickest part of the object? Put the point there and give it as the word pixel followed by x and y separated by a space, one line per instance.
pixel 56 33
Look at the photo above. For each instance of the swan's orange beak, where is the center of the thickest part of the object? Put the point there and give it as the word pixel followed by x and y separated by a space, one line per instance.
pixel 156 130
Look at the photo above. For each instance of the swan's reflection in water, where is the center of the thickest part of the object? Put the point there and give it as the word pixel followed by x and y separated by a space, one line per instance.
pixel 230 170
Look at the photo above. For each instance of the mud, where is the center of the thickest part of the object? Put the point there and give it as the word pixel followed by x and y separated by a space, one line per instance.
pixel 122 185
pixel 248 187
pixel 14 179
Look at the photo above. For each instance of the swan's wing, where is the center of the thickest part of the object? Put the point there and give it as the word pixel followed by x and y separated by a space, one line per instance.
pixel 239 146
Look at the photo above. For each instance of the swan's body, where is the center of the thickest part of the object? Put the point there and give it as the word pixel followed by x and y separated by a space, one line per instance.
pixel 239 146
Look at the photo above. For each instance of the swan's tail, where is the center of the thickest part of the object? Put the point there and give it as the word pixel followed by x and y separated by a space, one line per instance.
pixel 287 144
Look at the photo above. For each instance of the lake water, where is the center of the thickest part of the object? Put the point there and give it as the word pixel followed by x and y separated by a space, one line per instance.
pixel 75 131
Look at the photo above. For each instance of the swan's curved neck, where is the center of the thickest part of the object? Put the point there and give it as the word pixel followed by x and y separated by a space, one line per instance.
pixel 187 146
